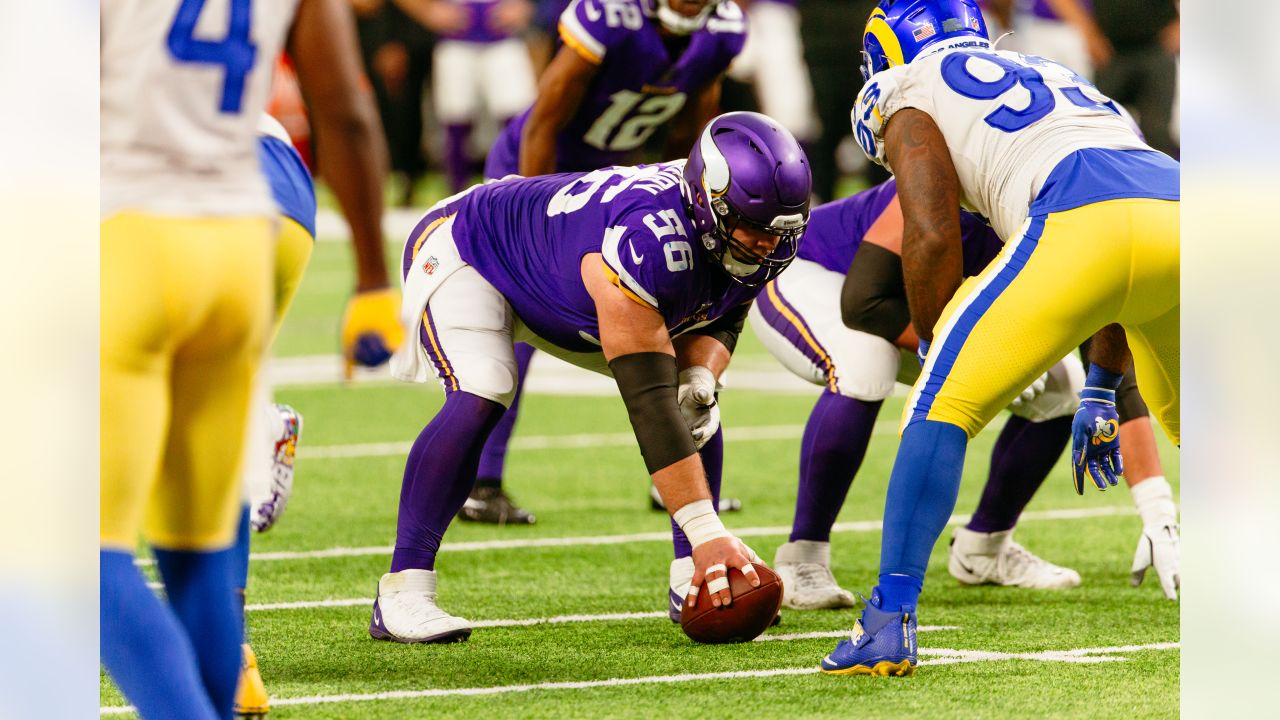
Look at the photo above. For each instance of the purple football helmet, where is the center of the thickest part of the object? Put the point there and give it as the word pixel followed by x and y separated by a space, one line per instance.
pixel 747 171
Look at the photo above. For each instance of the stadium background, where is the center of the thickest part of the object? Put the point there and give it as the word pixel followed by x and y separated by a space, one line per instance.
pixel 574 465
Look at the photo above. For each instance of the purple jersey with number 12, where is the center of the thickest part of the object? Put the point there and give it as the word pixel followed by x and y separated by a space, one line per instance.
pixel 527 237
pixel 638 88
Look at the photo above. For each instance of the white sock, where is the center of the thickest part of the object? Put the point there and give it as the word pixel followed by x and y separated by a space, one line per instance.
pixel 1154 499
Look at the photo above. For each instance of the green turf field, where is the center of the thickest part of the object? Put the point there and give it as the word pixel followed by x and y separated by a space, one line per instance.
pixel 1103 650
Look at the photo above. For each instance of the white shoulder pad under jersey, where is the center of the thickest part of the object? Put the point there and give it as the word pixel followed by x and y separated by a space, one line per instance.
pixel 183 84
pixel 1008 120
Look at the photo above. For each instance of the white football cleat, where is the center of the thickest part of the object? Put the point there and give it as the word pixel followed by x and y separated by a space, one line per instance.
pixel 807 582
pixel 994 558
pixel 405 611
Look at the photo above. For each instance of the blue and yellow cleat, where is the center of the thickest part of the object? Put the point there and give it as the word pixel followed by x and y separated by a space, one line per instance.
pixel 883 643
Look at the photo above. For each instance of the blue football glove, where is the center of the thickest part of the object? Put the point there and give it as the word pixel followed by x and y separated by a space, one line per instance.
pixel 1095 431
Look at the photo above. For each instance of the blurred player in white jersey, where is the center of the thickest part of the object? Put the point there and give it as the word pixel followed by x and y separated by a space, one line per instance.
pixel 1061 30
pixel 183 189
pixel 772 60
pixel 482 66
pixel 187 248
pixel 1089 216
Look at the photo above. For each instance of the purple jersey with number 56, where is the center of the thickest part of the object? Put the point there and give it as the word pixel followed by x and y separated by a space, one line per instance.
pixel 837 228
pixel 640 85
pixel 527 237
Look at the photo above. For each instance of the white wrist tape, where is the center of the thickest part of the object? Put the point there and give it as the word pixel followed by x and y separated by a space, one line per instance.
pixel 699 522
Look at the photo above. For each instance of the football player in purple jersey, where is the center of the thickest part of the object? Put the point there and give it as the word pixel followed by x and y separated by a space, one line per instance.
pixel 643 273
pixel 626 68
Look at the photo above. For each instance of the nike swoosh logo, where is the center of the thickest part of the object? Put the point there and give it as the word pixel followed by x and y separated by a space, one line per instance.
pixel 634 257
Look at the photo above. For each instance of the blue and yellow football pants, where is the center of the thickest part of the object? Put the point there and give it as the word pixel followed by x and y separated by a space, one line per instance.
pixel 1064 277
pixel 186 310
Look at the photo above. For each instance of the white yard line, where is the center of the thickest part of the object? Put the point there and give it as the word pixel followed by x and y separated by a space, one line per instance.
pixel 594 540
pixel 937 656
pixel 662 536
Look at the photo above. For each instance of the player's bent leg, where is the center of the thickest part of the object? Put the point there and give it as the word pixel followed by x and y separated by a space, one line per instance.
pixel 466 332
pixel 798 321
pixel 488 501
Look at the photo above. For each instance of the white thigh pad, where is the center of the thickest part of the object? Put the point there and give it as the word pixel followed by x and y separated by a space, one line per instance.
pixel 469 337
pixel 798 320
pixel 1061 394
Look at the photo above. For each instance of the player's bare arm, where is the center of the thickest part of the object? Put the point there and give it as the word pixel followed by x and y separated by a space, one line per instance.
pixel 697 112
pixel 560 91
pixel 632 336
pixel 929 190
pixel 351 152
pixel 1110 349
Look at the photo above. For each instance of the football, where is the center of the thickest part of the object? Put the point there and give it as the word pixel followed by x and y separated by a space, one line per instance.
pixel 751 612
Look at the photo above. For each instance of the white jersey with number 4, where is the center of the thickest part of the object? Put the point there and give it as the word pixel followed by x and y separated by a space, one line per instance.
pixel 183 85
pixel 1008 120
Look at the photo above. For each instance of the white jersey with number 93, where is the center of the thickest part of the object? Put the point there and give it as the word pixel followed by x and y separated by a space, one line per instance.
pixel 183 85
pixel 1008 119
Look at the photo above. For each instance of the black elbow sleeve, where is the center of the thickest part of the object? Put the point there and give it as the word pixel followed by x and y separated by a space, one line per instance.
pixel 874 297
pixel 648 382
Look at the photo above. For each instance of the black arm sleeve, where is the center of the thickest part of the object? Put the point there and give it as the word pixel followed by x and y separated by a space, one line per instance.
pixel 727 327
pixel 648 383
pixel 874 297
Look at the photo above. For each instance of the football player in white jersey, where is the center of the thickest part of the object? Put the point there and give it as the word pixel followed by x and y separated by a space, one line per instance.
pixel 188 254
pixel 187 248
pixel 1089 216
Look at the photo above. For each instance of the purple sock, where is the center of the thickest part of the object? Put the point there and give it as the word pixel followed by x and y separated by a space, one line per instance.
pixel 456 166
pixel 713 464
pixel 494 456
pixel 438 476
pixel 1023 455
pixel 835 441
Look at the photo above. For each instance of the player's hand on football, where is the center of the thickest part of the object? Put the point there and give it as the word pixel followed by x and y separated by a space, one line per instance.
pixel 711 562
pixel 1033 391
pixel 1095 432
pixel 1158 548
pixel 371 329
pixel 697 399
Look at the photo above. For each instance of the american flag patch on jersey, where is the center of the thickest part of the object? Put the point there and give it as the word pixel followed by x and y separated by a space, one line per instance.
pixel 923 32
